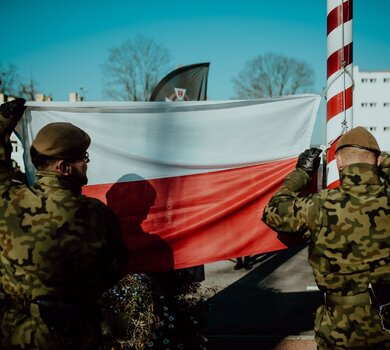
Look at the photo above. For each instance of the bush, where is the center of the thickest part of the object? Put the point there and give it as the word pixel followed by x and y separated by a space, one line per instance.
pixel 128 313
pixel 154 313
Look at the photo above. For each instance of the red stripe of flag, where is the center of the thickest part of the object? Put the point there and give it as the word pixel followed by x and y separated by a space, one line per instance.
pixel 191 220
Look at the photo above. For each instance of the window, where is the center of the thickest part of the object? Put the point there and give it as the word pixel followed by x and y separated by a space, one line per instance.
pixel 373 80
pixel 14 146
pixel 368 104
pixel 371 128
pixel 386 128
pixel 386 80
pixel 386 104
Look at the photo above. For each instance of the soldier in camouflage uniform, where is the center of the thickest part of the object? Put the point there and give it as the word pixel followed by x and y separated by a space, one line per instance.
pixel 349 233
pixel 59 249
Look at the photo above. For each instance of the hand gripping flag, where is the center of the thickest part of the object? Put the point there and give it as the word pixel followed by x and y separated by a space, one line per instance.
pixel 188 180
pixel 187 83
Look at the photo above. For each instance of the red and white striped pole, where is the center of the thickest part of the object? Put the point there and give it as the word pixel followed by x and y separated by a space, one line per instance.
pixel 339 79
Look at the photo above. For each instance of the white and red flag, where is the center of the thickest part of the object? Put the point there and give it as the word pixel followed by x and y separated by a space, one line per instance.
pixel 188 180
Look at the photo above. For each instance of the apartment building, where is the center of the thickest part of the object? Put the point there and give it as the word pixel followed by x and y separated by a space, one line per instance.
pixel 371 104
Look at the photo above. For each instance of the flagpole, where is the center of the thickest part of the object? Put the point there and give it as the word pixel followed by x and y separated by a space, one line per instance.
pixel 339 79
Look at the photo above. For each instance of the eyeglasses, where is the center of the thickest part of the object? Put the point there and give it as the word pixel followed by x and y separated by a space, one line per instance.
pixel 86 157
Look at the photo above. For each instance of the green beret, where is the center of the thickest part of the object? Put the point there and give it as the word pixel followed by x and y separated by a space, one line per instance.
pixel 62 140
pixel 359 137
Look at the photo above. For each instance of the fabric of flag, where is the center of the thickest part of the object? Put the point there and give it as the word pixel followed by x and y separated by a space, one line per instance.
pixel 187 83
pixel 188 180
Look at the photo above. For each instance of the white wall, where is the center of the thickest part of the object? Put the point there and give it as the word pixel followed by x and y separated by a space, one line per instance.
pixel 17 151
pixel 371 104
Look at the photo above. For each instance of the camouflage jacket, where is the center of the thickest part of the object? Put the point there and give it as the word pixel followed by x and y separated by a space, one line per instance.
pixel 54 241
pixel 348 227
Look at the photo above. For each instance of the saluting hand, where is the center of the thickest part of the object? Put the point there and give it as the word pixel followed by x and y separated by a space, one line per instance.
pixel 10 113
pixel 309 160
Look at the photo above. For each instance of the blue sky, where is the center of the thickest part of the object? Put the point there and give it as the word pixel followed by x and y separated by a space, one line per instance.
pixel 62 44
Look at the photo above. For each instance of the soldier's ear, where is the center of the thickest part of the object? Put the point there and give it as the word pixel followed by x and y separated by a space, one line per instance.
pixel 63 167
pixel 339 161
pixel 379 161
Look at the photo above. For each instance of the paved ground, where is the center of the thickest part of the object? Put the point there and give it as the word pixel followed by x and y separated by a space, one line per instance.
pixel 269 307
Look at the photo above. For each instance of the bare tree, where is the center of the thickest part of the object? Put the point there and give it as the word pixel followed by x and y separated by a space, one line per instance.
pixel 11 84
pixel 9 79
pixel 133 69
pixel 28 90
pixel 271 75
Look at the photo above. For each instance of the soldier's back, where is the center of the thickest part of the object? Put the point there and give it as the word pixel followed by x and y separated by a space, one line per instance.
pixel 52 240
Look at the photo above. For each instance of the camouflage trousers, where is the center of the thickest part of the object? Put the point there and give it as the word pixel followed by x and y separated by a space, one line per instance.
pixel 356 327
pixel 22 327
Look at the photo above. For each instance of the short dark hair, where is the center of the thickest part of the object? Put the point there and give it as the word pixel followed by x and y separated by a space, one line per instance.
pixel 40 161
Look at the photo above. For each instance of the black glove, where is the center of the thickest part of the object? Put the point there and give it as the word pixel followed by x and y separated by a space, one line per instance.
pixel 10 113
pixel 309 160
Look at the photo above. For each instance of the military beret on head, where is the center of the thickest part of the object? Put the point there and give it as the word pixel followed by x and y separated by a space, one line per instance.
pixel 359 137
pixel 62 140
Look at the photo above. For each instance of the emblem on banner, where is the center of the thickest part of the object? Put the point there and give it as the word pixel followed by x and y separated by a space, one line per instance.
pixel 178 95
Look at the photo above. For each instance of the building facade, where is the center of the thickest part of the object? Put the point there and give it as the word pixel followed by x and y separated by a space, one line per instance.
pixel 371 104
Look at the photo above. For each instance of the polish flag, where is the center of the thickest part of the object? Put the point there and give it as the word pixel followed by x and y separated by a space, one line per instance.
pixel 188 180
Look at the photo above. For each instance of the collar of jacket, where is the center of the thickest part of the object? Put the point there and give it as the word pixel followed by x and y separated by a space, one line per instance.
pixel 360 174
pixel 55 180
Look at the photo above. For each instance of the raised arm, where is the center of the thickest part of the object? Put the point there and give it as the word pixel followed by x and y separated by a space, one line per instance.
pixel 287 212
pixel 10 113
